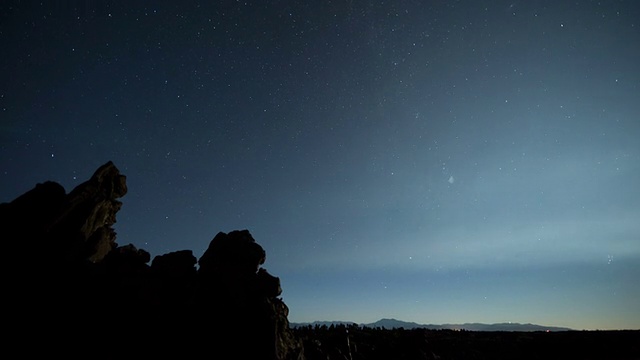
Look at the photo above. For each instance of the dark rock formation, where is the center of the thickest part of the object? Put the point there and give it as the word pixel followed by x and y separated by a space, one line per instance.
pixel 231 267
pixel 47 225
pixel 70 286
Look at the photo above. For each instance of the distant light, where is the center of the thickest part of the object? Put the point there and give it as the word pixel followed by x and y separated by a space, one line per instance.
pixel 451 179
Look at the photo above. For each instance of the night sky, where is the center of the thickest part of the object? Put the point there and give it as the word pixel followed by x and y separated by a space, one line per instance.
pixel 430 161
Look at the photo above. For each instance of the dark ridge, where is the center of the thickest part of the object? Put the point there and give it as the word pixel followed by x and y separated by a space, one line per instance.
pixel 361 342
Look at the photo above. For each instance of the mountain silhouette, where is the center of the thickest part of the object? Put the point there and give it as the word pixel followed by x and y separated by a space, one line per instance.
pixel 387 323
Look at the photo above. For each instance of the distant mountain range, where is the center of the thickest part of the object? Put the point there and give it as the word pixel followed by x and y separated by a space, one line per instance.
pixel 396 324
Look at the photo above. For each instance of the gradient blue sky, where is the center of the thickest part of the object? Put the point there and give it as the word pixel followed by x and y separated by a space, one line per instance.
pixel 431 161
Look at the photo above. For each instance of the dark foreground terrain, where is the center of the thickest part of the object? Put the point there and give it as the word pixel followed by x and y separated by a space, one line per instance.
pixel 359 343
pixel 69 290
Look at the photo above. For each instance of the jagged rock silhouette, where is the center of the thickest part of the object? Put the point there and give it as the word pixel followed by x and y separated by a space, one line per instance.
pixel 70 290
pixel 72 287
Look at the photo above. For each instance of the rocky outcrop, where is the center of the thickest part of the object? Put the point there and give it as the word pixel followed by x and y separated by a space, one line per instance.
pixel 76 288
pixel 47 225
pixel 231 267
